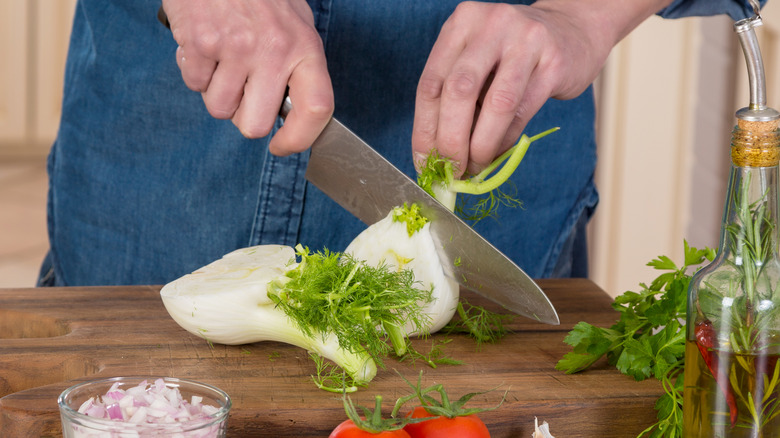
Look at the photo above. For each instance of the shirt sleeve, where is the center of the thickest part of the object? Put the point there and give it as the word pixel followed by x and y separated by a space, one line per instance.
pixel 736 9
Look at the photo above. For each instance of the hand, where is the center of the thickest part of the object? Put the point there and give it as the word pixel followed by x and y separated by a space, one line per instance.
pixel 493 66
pixel 242 56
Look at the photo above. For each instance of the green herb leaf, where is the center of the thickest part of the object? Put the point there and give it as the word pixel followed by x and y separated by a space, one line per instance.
pixel 330 377
pixel 648 339
pixel 664 263
pixel 479 323
pixel 435 355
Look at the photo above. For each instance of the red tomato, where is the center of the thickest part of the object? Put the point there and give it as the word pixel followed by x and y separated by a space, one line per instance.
pixel 468 426
pixel 348 429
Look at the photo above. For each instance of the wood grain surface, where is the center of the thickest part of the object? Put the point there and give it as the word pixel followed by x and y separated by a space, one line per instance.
pixel 53 338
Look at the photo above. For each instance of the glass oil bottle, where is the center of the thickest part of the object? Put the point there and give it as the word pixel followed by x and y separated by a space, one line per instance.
pixel 732 375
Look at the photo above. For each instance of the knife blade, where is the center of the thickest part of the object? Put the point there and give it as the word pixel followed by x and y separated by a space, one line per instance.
pixel 366 184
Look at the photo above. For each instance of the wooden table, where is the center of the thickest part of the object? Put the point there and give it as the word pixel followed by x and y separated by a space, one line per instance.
pixel 52 338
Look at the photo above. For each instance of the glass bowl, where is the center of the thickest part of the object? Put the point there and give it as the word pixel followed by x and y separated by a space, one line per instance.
pixel 152 406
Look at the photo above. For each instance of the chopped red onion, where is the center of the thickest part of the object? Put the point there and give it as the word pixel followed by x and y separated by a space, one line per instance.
pixel 145 404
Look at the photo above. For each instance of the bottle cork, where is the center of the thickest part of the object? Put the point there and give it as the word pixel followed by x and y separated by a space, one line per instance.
pixel 755 144
pixel 757 126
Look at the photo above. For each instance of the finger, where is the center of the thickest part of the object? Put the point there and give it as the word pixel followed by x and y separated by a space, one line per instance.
pixel 196 55
pixel 311 94
pixel 196 71
pixel 258 109
pixel 426 115
pixel 499 109
pixel 445 51
pixel 225 90
pixel 534 98
pixel 537 93
pixel 459 99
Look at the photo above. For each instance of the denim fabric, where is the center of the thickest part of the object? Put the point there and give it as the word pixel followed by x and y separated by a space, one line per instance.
pixel 736 9
pixel 145 186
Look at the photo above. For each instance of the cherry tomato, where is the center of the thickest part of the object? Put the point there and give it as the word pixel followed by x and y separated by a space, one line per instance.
pixel 348 429
pixel 467 426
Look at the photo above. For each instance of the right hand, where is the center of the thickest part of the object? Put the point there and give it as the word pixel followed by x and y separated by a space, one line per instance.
pixel 241 56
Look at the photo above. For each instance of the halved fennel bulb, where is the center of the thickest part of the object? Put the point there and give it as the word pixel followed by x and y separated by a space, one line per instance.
pixel 227 302
pixel 388 241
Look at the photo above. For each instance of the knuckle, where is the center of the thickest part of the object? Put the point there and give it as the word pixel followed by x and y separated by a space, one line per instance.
pixel 310 40
pixel 219 113
pixel 522 112
pixel 462 84
pixel 430 86
pixel 206 42
pixel 242 41
pixel 254 130
pixel 220 108
pixel 301 42
pixel 194 82
pixel 465 10
pixel 503 101
pixel 449 145
pixel 556 63
pixel 275 43
pixel 504 12
pixel 320 109
pixel 536 31
pixel 425 129
pixel 317 110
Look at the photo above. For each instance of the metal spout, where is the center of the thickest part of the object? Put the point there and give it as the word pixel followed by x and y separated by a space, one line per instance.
pixel 758 110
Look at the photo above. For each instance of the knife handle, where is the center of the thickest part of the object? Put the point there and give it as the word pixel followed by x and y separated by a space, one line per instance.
pixel 163 17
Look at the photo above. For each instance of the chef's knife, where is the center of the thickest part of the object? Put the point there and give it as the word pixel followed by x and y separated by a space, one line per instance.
pixel 354 175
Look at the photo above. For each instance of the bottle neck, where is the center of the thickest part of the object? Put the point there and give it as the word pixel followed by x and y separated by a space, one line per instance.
pixel 752 206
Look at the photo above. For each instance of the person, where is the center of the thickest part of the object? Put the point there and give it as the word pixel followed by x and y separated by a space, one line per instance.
pixel 150 180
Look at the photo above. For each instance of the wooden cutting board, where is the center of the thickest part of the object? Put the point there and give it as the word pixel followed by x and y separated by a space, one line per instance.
pixel 52 338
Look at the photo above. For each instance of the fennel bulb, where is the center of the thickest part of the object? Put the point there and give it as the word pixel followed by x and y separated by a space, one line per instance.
pixel 403 241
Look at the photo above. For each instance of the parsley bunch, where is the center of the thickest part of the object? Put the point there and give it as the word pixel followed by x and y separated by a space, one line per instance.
pixel 648 340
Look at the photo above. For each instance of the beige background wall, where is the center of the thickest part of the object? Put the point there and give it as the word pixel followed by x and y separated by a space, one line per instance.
pixel 666 109
pixel 33 46
pixel 666 101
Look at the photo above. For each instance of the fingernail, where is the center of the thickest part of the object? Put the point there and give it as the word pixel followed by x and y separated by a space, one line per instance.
pixel 420 157
pixel 419 160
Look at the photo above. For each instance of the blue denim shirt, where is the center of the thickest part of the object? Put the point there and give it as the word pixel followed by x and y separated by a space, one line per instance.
pixel 145 186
